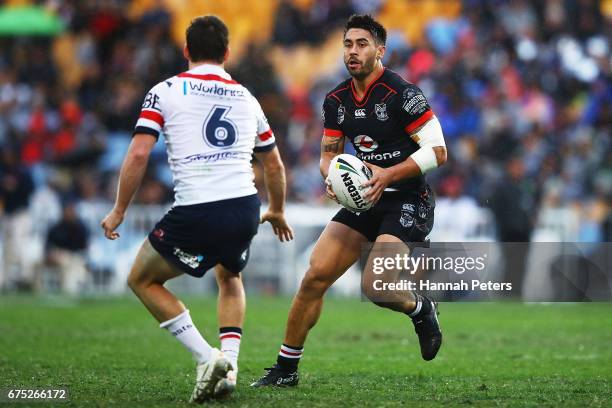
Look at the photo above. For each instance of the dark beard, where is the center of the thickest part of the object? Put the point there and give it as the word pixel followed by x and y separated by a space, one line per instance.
pixel 360 76
pixel 366 69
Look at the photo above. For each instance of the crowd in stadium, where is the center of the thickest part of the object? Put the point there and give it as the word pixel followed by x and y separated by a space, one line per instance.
pixel 523 91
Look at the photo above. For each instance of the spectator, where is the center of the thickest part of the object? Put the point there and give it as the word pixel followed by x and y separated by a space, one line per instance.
pixel 528 77
pixel 456 213
pixel 512 203
pixel 65 252
pixel 16 187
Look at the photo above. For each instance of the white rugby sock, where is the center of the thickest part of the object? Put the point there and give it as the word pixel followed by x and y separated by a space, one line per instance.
pixel 185 331
pixel 418 306
pixel 230 343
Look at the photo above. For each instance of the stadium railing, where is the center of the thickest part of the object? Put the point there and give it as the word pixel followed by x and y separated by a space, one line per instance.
pixel 273 267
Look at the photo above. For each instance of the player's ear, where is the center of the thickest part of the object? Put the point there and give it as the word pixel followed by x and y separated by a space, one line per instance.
pixel 186 52
pixel 380 52
pixel 227 54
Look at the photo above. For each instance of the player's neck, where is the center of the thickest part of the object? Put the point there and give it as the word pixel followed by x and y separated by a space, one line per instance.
pixel 361 85
pixel 195 64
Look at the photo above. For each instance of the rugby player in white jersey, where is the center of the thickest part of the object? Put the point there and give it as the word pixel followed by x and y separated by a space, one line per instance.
pixel 212 127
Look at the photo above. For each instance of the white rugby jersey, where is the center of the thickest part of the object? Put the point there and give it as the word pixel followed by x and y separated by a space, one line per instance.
pixel 211 125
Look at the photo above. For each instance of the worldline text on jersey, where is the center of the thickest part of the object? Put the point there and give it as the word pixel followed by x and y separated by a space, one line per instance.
pixel 200 88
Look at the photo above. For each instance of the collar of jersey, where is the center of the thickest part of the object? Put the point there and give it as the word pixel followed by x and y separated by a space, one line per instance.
pixel 210 69
pixel 366 94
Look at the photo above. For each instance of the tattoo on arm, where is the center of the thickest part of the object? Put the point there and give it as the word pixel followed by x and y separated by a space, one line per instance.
pixel 332 147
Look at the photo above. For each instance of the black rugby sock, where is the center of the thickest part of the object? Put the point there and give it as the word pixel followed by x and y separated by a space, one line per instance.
pixel 289 357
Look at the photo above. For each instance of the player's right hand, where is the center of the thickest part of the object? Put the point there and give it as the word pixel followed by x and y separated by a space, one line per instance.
pixel 110 223
pixel 329 192
pixel 279 225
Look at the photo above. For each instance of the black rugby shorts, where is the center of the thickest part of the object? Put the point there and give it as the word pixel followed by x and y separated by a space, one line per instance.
pixel 407 215
pixel 194 238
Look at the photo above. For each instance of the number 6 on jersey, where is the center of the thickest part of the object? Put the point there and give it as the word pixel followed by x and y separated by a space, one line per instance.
pixel 218 130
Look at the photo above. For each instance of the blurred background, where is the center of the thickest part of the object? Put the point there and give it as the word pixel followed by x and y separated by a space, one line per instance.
pixel 523 91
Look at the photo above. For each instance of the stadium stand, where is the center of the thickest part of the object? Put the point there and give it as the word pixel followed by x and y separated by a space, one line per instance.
pixel 522 89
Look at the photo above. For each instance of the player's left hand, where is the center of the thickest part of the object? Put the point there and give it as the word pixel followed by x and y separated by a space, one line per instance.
pixel 110 223
pixel 380 179
pixel 279 225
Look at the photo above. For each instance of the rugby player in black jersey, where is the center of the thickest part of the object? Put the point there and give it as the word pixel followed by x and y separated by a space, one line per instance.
pixel 394 130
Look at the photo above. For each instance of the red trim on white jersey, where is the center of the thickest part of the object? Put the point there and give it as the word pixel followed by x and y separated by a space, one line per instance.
pixel 266 135
pixel 208 77
pixel 152 115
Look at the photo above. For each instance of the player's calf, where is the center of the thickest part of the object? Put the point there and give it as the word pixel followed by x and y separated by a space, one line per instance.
pixel 305 311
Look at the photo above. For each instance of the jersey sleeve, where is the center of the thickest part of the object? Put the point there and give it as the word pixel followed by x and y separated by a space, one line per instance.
pixel 333 116
pixel 265 140
pixel 151 119
pixel 414 110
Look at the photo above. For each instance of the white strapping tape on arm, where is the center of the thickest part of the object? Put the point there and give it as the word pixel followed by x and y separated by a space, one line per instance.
pixel 428 137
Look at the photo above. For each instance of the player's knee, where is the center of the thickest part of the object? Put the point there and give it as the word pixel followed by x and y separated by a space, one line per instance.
pixel 133 281
pixel 230 283
pixel 229 280
pixel 316 281
pixel 137 280
pixel 313 286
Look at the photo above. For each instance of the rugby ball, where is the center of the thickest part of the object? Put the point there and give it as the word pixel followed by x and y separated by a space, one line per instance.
pixel 346 174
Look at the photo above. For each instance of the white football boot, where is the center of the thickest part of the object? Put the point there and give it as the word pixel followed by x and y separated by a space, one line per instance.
pixel 208 375
pixel 226 385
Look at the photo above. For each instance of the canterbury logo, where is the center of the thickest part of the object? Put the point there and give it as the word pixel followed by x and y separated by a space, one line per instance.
pixel 360 113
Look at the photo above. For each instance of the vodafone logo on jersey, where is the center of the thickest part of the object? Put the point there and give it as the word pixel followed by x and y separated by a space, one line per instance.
pixel 365 143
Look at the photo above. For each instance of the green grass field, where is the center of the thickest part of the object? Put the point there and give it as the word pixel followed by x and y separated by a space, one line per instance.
pixel 110 352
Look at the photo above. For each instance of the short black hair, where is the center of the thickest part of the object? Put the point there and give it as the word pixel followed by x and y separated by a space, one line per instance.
pixel 207 39
pixel 367 22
